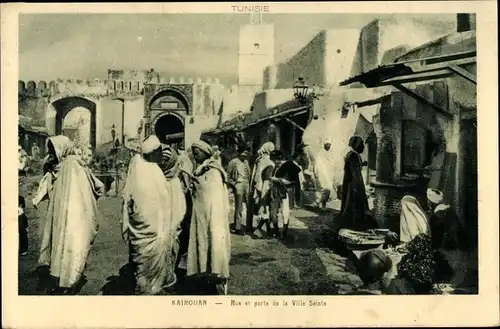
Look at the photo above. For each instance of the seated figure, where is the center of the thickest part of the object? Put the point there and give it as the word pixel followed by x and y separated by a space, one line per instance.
pixel 439 221
pixel 414 220
pixel 374 268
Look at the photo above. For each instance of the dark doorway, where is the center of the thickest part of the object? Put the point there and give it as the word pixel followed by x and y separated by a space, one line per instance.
pixel 468 188
pixel 291 136
pixel 170 129
pixel 64 105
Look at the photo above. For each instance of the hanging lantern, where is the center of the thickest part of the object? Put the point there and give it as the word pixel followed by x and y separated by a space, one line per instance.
pixel 300 90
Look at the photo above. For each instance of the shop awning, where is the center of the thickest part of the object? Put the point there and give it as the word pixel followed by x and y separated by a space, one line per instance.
pixel 422 69
pixel 247 120
pixel 418 70
pixel 233 125
pixel 276 114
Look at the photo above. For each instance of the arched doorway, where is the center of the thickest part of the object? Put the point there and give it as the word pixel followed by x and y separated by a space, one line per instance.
pixel 64 106
pixel 76 125
pixel 169 128
pixel 167 108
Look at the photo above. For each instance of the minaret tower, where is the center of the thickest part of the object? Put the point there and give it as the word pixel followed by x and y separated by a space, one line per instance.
pixel 256 52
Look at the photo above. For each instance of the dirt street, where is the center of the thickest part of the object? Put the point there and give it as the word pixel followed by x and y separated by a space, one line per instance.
pixel 303 265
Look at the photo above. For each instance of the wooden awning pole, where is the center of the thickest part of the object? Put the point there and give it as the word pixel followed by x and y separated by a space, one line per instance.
pixel 294 124
pixel 419 98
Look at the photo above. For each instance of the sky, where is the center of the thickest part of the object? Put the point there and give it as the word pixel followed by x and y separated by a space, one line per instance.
pixel 85 46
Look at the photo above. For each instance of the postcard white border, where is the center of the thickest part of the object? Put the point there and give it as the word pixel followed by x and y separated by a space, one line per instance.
pixel 103 311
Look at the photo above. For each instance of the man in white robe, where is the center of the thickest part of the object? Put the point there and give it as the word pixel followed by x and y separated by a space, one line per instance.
pixel 209 249
pixel 153 208
pixel 71 225
pixel 324 174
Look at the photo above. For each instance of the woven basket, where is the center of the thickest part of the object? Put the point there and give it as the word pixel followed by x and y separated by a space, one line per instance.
pixel 355 240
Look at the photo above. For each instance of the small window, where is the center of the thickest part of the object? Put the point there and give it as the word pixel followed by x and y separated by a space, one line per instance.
pixel 256 46
pixel 416 151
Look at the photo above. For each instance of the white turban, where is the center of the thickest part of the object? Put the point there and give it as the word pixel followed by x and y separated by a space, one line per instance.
pixel 441 207
pixel 150 144
pixel 204 146
pixel 434 196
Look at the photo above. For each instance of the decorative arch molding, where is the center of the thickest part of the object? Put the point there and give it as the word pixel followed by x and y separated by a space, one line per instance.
pixel 182 92
pixel 175 92
pixel 175 114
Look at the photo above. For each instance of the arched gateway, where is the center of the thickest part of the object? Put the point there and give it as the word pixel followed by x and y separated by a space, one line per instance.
pixel 166 107
pixel 64 105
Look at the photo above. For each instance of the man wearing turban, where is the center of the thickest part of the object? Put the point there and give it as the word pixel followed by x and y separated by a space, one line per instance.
pixel 209 249
pixel 153 208
pixel 446 228
pixel 260 187
pixel 324 172
pixel 186 168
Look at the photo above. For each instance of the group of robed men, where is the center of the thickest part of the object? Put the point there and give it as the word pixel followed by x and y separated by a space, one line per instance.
pixel 267 190
pixel 175 215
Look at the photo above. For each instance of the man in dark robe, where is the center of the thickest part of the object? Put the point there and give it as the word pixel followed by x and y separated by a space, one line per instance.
pixel 354 212
pixel 185 172
pixel 22 219
pixel 302 159
pixel 447 231
pixel 280 196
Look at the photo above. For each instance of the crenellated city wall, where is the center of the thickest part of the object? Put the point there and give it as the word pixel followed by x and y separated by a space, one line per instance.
pixel 102 88
pixel 37 99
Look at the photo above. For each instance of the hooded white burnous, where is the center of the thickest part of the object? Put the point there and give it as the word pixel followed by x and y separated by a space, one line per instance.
pixel 152 214
pixel 71 223
pixel 209 250
pixel 324 173
pixel 413 220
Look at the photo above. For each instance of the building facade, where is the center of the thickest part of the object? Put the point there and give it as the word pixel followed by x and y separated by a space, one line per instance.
pixel 122 104
pixel 429 121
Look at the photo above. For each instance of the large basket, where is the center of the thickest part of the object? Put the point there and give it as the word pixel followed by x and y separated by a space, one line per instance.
pixel 355 240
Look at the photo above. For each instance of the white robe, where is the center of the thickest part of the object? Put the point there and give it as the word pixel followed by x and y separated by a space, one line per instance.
pixel 414 220
pixel 324 175
pixel 209 248
pixel 153 210
pixel 71 222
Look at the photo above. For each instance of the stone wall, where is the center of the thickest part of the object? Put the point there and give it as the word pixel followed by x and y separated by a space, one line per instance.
pixel 383 40
pixel 308 63
pixel 461 100
pixel 36 99
pixel 324 61
pixel 392 181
